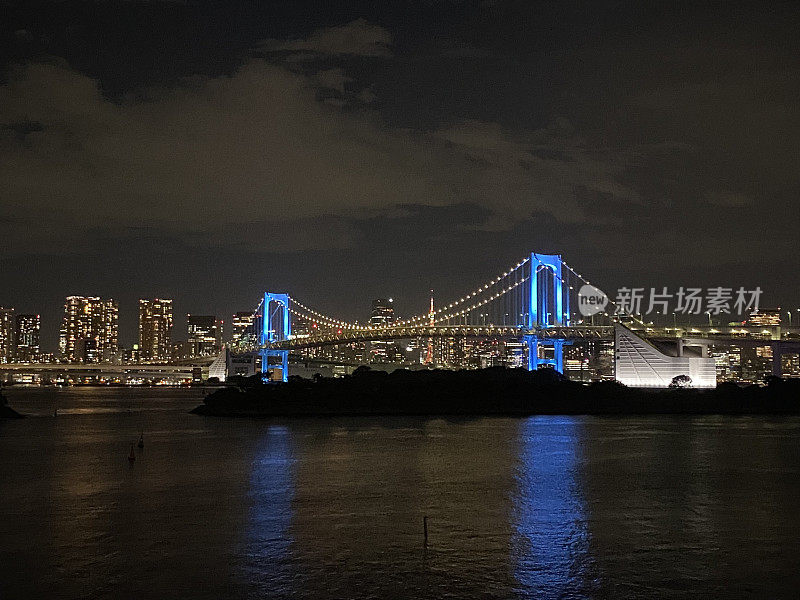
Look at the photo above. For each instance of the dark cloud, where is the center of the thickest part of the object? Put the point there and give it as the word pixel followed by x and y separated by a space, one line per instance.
pixel 357 38
pixel 257 146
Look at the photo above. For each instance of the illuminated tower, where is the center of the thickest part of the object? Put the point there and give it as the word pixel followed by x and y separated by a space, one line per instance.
pixel 89 331
pixel 6 334
pixel 155 328
pixel 202 334
pixel 242 335
pixel 27 338
pixel 382 316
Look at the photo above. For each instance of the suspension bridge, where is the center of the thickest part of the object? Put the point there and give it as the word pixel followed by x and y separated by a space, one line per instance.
pixel 532 302
pixel 529 301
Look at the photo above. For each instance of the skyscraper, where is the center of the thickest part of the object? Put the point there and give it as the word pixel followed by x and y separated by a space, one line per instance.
pixel 155 329
pixel 202 334
pixel 382 315
pixel 6 334
pixel 242 334
pixel 89 331
pixel 27 338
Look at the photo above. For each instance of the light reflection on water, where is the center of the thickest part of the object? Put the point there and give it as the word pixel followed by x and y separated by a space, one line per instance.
pixel 266 559
pixel 546 507
pixel 551 541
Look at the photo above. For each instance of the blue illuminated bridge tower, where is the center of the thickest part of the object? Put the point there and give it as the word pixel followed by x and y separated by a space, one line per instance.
pixel 272 323
pixel 547 306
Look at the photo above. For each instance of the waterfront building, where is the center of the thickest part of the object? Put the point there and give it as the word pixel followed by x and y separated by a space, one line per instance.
pixel 576 362
pixel 220 324
pixel 155 329
pixel 7 325
pixel 790 365
pixel 203 335
pixel 242 334
pixel 26 335
pixel 756 363
pixel 89 330
pixel 382 315
pixel 601 360
pixel 219 368
pixel 767 317
pixel 640 364
pixel 181 350
pixel 413 350
pixel 728 360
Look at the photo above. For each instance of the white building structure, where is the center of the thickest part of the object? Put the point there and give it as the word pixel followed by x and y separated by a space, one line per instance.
pixel 640 364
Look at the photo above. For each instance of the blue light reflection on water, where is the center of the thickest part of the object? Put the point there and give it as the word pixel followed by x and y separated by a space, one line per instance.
pixel 550 534
pixel 267 548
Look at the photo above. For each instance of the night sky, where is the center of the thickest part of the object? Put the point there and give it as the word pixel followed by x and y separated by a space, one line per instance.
pixel 208 151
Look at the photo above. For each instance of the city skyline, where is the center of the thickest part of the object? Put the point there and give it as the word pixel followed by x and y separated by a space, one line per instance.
pixel 235 321
pixel 434 142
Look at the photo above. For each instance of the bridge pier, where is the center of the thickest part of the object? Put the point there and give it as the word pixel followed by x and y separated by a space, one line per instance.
pixel 532 344
pixel 266 363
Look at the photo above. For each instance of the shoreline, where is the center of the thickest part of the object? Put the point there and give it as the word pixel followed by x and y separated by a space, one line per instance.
pixel 6 412
pixel 487 392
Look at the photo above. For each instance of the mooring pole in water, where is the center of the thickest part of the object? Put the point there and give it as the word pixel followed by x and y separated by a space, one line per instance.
pixel 425 528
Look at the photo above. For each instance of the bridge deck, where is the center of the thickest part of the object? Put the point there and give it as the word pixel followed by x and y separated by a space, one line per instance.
pixel 469 331
pixel 722 335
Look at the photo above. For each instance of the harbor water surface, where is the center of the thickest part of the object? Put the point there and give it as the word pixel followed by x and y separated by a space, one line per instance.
pixel 544 507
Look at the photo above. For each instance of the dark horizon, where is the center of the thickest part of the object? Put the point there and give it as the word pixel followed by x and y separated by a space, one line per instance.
pixel 207 152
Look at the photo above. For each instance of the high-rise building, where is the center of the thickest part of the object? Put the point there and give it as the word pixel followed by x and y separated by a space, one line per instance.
pixel 756 363
pixel 203 334
pixel 220 333
pixel 89 331
pixel 6 334
pixel 382 312
pixel 382 315
pixel 27 338
pixel 729 362
pixel 242 335
pixel 790 365
pixel 155 329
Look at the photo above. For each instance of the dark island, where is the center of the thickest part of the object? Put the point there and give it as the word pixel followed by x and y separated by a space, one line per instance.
pixel 5 411
pixel 492 391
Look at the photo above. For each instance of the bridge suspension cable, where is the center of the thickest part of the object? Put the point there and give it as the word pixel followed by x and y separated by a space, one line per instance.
pixel 456 303
pixel 483 302
pixel 507 287
pixel 305 312
pixel 310 314
pixel 617 309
